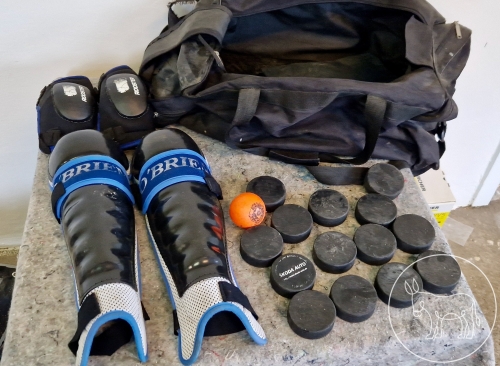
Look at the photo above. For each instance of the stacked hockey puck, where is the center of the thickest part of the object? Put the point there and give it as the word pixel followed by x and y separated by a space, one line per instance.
pixel 311 314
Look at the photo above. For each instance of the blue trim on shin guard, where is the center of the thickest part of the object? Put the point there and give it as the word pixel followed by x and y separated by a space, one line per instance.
pixel 113 315
pixel 200 330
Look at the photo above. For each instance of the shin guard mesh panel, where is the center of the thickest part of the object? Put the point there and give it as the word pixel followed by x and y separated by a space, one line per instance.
pixel 194 305
pixel 114 298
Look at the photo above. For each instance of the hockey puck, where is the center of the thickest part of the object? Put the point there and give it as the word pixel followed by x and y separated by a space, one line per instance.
pixel 376 245
pixel 260 246
pixel 334 252
pixel 328 207
pixel 311 314
pixel 293 222
pixel 270 189
pixel 384 179
pixel 413 233
pixel 354 297
pixel 406 290
pixel 292 273
pixel 439 271
pixel 375 209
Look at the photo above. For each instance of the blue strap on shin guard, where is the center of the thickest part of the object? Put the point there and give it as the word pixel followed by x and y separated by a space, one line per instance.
pixel 85 171
pixel 169 168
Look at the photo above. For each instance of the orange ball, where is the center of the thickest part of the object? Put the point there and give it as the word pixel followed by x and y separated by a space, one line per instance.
pixel 247 210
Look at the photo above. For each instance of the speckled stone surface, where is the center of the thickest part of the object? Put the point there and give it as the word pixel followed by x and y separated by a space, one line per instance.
pixel 43 314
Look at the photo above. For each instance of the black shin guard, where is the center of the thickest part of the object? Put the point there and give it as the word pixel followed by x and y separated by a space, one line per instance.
pixel 92 200
pixel 66 105
pixel 124 113
pixel 186 225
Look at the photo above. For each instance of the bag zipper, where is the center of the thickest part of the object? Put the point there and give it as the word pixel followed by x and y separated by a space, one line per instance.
pixel 215 54
pixel 367 2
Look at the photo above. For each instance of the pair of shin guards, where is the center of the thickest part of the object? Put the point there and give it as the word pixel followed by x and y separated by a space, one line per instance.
pixel 173 185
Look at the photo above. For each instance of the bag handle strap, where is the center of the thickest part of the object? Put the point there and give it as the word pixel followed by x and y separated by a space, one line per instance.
pixel 248 100
pixel 375 109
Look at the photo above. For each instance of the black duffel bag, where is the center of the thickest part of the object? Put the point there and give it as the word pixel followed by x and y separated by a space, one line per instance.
pixel 308 81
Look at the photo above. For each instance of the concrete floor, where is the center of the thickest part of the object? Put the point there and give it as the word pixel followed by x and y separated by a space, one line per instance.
pixel 8 257
pixel 483 249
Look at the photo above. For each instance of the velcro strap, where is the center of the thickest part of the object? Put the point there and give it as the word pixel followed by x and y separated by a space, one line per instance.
pixel 230 292
pixel 213 185
pixel 114 133
pixel 145 314
pixel 110 340
pixel 88 311
pixel 85 171
pixel 50 137
pixel 177 326
pixel 168 168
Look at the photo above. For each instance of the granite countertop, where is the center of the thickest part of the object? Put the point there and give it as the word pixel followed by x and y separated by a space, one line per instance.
pixel 43 313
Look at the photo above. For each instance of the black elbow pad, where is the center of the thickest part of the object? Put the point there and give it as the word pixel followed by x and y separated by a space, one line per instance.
pixel 125 115
pixel 66 105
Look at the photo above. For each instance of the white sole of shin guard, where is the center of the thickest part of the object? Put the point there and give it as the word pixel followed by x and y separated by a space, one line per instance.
pixel 116 301
pixel 197 306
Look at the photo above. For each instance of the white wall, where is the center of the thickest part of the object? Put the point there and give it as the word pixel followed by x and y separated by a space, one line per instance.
pixel 43 40
pixel 474 136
